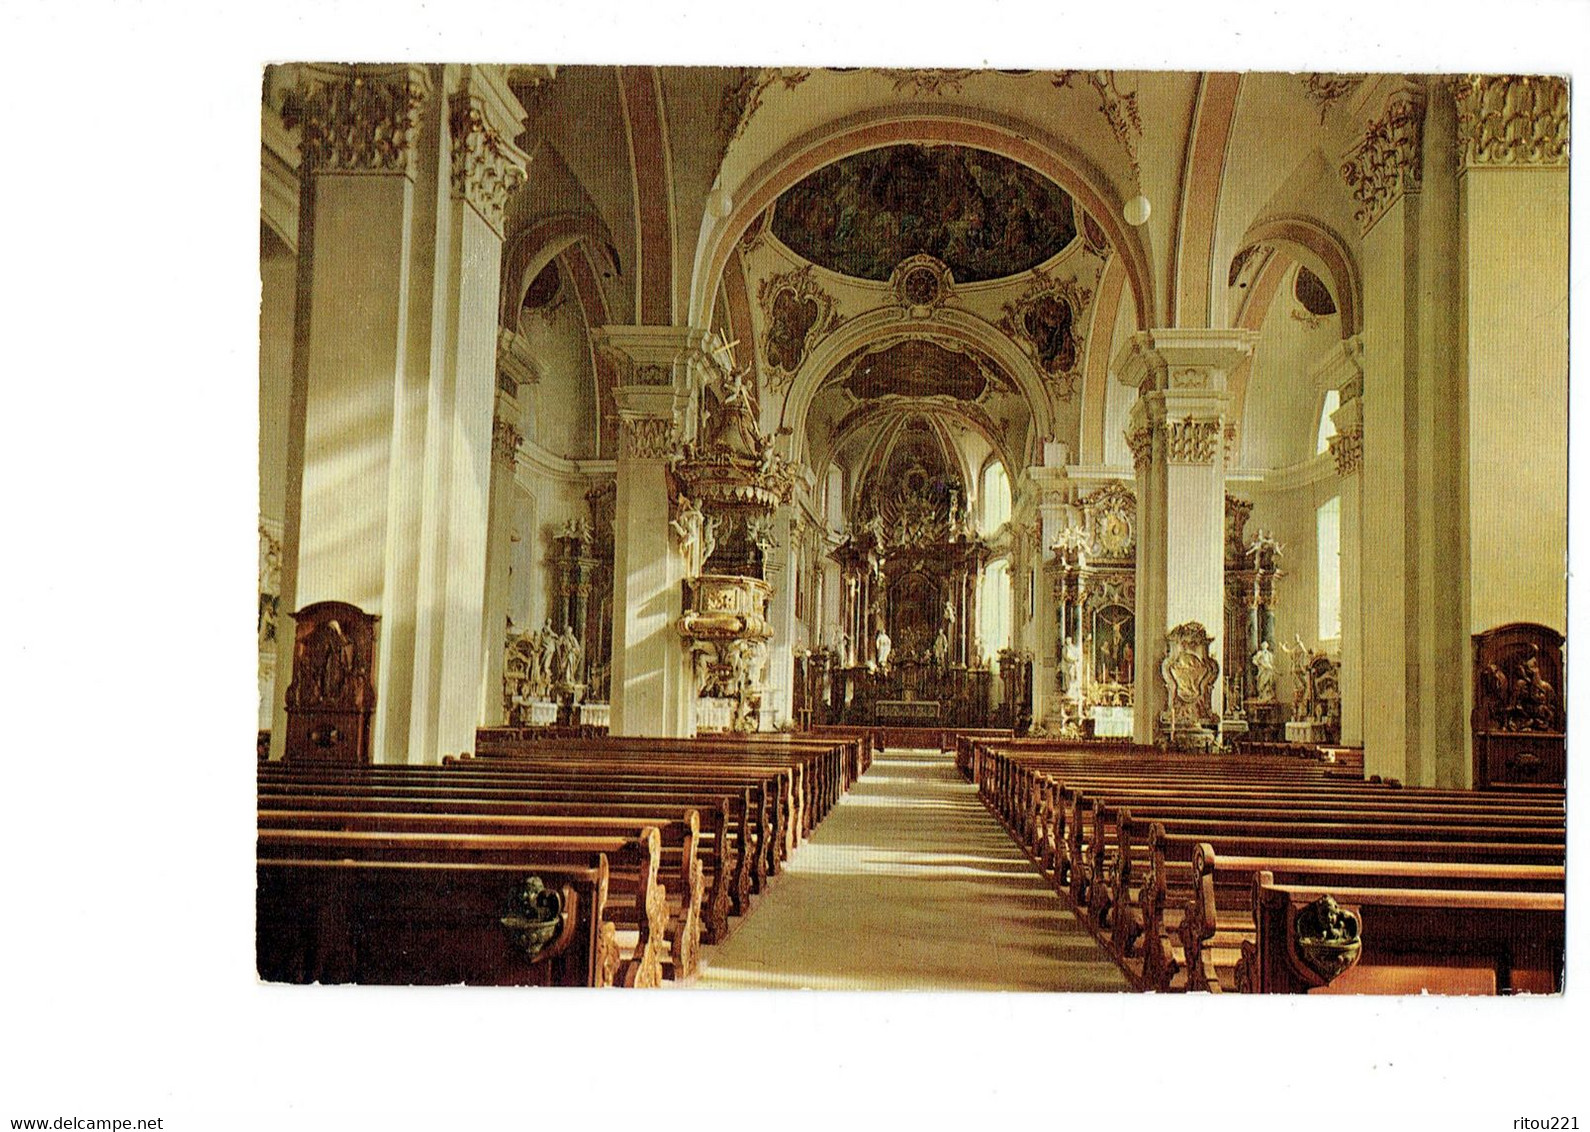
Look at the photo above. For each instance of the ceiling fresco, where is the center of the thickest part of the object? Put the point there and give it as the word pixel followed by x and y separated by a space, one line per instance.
pixel 917 367
pixel 985 216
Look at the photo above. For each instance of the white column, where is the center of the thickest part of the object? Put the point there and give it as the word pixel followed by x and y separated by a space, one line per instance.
pixel 1347 448
pixel 394 376
pixel 1050 484
pixel 1177 437
pixel 1513 355
pixel 652 693
pixel 505 440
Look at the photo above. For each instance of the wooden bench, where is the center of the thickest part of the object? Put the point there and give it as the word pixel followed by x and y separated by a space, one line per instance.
pixel 430 923
pixel 632 866
pixel 680 871
pixel 1452 941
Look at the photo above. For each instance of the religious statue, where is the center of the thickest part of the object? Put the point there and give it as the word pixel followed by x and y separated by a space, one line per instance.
pixel 709 537
pixel 1071 657
pixel 949 612
pixel 884 647
pixel 941 648
pixel 687 528
pixel 330 656
pixel 569 655
pixel 546 658
pixel 1264 666
pixel 846 657
pixel 1303 700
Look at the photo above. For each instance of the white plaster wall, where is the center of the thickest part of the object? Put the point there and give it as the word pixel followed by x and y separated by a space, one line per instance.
pixel 278 284
pixel 563 420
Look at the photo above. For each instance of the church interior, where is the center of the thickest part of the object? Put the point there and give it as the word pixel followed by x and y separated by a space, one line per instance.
pixel 1159 477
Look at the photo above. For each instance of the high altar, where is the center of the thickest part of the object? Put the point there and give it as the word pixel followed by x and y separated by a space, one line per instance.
pixel 908 653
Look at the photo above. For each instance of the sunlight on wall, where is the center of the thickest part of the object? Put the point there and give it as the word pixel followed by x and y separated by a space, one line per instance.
pixel 1328 521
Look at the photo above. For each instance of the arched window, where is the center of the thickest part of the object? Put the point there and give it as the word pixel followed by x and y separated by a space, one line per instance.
pixel 1328 522
pixel 996 497
pixel 994 608
pixel 1327 426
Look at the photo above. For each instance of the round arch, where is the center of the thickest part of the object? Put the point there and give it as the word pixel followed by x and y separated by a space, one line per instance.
pixel 1023 142
pixel 529 251
pixel 1323 252
pixel 882 324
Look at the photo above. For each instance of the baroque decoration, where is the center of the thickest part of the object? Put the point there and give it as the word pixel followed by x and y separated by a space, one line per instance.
pixel 647 438
pixel 1324 90
pixel 1386 163
pixel 921 284
pixel 366 123
pixel 984 216
pixel 798 313
pixel 1191 441
pixel 1189 673
pixel 485 173
pixel 1044 320
pixel 1512 120
pixel 1118 107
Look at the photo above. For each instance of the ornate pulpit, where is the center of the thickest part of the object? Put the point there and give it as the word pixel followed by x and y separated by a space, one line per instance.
pixel 1519 723
pixel 332 696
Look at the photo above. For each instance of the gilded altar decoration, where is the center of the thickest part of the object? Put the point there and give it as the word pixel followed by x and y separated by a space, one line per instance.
pixel 1189 673
pixel 1512 120
pixel 797 314
pixel 1387 162
pixel 365 122
pixel 1045 321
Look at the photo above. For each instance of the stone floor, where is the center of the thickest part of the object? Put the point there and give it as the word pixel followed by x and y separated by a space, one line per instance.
pixel 910 885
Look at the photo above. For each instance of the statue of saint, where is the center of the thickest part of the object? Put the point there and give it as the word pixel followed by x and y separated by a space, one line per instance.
pixel 884 647
pixel 1264 666
pixel 1071 655
pixel 569 656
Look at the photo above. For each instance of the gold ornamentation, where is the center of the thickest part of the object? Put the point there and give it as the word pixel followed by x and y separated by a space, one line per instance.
pixel 647 438
pixel 1386 163
pixel 365 123
pixel 484 172
pixel 1347 449
pixel 1512 120
pixel 1118 107
pixel 505 440
pixel 1191 441
pixel 798 314
pixel 1324 90
pixel 1141 441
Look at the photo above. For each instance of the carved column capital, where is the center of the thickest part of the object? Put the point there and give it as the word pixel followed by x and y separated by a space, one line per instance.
pixel 1512 120
pixel 505 440
pixel 1347 449
pixel 485 167
pixel 1387 162
pixel 358 119
pixel 1192 441
pixel 1140 439
pixel 646 438
pixel 658 356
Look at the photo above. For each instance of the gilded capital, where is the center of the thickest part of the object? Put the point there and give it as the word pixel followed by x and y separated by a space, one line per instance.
pixel 1512 120
pixel 1192 441
pixel 359 120
pixel 1387 163
pixel 486 168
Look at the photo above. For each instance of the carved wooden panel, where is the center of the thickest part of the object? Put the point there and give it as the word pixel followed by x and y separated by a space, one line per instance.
pixel 332 696
pixel 1519 721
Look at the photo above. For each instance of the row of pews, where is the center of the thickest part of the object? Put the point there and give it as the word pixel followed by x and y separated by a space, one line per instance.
pixel 1267 873
pixel 539 860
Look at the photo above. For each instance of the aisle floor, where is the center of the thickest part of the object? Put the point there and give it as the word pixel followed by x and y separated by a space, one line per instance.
pixel 910 884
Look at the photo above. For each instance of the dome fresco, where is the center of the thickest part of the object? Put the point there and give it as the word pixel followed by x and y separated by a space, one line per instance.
pixel 983 215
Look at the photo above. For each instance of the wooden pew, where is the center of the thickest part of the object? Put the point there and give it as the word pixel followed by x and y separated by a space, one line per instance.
pixel 680 869
pixel 637 861
pixel 1409 939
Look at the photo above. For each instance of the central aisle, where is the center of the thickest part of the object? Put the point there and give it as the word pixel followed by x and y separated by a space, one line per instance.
pixel 910 884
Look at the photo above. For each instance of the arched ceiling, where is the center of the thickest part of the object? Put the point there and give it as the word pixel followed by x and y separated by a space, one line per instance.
pixel 982 215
